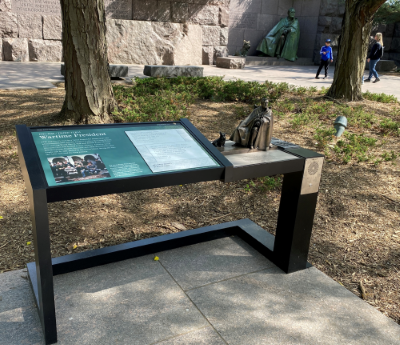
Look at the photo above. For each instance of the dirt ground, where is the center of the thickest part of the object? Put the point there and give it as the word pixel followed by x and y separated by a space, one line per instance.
pixel 356 236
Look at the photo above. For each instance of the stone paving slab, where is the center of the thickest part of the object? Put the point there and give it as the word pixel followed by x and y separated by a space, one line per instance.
pixel 140 302
pixel 307 307
pixel 205 336
pixel 208 262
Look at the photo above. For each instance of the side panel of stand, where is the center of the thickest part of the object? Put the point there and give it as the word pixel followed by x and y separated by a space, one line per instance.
pixel 41 278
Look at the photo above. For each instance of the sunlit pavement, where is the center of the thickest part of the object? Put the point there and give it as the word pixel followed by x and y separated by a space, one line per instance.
pixel 26 75
pixel 214 293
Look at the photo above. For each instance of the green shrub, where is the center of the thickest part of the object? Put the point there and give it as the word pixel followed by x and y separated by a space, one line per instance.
pixel 265 184
pixel 390 127
pixel 380 97
pixel 323 136
pixel 389 156
pixel 354 146
pixel 161 99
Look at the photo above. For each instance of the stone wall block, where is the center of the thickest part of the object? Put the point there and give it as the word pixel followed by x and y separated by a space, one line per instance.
pixel 136 42
pixel 211 35
pixel 30 26
pixel 334 40
pixel 180 12
pixel 212 2
pixel 395 46
pixel 284 6
pixel 163 13
pixel 189 49
pixel 118 9
pixel 396 31
pixel 387 42
pixel 52 28
pixel 236 37
pixel 389 30
pixel 145 9
pixel 329 8
pixel 309 8
pixel 266 22
pixel 1 49
pixel 224 37
pixel 203 15
pixel 220 51
pixel 341 8
pixel 270 7
pixel 153 43
pixel 324 21
pixel 207 55
pixel 15 49
pixel 45 50
pixel 336 25
pixel 8 25
pixel 223 17
pixel 5 5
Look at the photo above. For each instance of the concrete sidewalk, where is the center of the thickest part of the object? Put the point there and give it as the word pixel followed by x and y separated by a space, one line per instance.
pixel 26 75
pixel 215 293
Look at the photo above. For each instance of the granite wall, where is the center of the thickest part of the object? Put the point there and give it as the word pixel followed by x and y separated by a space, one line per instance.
pixel 330 25
pixel 138 31
pixel 253 19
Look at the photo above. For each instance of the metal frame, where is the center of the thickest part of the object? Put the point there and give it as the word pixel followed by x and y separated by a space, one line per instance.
pixel 288 249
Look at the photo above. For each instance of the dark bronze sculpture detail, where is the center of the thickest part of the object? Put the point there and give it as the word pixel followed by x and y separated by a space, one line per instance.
pixel 283 39
pixel 220 142
pixel 255 131
pixel 245 49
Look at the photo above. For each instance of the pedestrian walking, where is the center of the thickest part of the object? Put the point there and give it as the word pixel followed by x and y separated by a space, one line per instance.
pixel 326 58
pixel 374 56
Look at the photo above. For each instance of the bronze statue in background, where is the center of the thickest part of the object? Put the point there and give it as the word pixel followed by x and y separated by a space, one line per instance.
pixel 255 131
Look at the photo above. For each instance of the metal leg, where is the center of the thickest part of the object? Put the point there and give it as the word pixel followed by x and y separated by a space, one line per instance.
pixel 42 281
pixel 296 216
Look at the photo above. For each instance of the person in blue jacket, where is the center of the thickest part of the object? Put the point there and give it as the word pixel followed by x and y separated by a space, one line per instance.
pixel 374 56
pixel 326 58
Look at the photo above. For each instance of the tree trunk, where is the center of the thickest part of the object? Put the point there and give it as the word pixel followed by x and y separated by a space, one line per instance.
pixel 89 96
pixel 353 49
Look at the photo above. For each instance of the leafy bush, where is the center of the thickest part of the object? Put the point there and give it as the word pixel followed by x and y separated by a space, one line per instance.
pixel 161 99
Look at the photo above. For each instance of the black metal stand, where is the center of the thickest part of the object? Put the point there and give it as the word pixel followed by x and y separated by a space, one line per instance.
pixel 288 250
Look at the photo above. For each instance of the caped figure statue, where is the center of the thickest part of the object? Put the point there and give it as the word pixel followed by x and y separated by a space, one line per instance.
pixel 255 131
pixel 283 39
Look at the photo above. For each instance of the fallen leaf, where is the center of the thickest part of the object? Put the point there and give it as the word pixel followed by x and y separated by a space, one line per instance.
pixel 74 246
pixel 156 258
pixel 28 243
pixel 179 226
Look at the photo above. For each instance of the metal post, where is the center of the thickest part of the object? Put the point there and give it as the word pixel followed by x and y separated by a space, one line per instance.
pixel 41 275
pixel 296 216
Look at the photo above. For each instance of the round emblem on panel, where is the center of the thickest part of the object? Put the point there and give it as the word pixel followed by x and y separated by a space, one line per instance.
pixel 313 168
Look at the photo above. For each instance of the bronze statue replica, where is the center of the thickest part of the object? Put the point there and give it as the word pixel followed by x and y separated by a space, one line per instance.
pixel 283 39
pixel 245 49
pixel 255 131
pixel 220 142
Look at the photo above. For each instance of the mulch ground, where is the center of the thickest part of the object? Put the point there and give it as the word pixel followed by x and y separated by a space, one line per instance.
pixel 356 236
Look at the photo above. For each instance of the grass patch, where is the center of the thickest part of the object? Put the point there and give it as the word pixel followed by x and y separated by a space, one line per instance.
pixel 354 146
pixel 390 127
pixel 161 99
pixel 264 184
pixel 380 97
